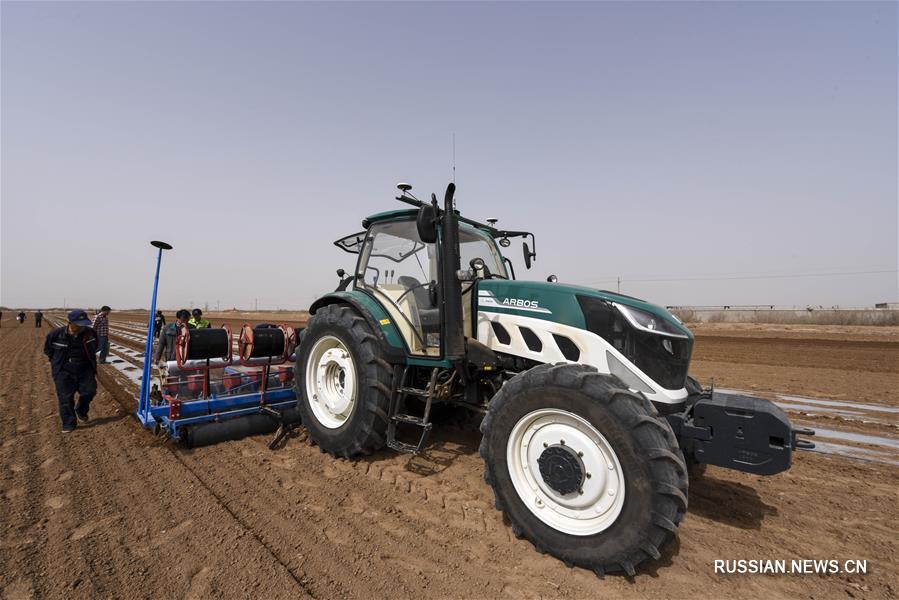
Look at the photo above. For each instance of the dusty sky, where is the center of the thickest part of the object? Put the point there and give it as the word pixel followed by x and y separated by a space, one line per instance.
pixel 705 153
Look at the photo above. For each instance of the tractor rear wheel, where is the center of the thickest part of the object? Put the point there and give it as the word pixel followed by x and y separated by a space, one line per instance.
pixel 585 469
pixel 343 383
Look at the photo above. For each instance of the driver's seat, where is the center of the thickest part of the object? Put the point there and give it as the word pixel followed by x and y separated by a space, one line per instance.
pixel 428 316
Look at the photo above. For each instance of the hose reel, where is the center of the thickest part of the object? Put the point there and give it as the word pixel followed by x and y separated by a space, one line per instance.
pixel 203 345
pixel 265 343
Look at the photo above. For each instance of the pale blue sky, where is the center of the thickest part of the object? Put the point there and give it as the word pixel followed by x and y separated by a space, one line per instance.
pixel 651 141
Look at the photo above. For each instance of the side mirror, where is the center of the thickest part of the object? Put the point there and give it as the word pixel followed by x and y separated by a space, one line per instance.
pixel 528 255
pixel 426 223
pixel 341 273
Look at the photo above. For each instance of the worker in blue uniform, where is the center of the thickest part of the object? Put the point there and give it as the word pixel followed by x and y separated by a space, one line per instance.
pixel 72 350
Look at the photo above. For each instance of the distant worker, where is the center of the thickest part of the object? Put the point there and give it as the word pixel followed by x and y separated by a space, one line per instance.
pixel 38 319
pixel 198 321
pixel 158 323
pixel 101 328
pixel 73 363
pixel 1 317
pixel 167 339
pixel 20 317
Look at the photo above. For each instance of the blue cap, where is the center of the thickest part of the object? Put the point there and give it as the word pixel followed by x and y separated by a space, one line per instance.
pixel 79 317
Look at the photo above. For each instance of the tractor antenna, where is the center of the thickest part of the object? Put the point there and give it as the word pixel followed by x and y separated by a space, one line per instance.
pixel 405 188
pixel 454 157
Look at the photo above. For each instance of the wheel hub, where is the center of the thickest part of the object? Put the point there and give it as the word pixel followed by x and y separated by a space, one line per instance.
pixel 561 469
pixel 565 471
pixel 332 370
pixel 331 383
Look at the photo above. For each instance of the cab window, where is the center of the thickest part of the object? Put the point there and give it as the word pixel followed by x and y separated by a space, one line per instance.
pixel 400 271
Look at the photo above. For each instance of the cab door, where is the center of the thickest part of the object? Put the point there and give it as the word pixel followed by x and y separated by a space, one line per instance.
pixel 400 271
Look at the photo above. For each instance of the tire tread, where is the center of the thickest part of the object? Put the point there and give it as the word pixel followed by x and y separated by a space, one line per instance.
pixel 650 432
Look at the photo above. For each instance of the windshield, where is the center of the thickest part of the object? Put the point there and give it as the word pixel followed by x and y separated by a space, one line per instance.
pixel 393 250
pixel 474 243
pixel 401 272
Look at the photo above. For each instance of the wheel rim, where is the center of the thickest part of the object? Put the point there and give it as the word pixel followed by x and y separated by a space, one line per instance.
pixel 565 472
pixel 331 382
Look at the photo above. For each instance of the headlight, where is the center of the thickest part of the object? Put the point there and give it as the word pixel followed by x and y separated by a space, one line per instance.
pixel 647 321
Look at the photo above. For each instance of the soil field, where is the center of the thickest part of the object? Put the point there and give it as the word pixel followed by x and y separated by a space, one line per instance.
pixel 112 511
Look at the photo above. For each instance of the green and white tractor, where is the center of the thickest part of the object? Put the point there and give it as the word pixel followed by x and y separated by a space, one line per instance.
pixel 591 425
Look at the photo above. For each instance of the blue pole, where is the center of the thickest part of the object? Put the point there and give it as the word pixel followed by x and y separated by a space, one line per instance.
pixel 143 407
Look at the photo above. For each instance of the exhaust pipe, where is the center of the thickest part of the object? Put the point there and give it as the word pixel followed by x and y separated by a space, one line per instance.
pixel 453 335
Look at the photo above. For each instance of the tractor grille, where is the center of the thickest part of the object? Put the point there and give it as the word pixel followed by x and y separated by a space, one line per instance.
pixel 665 359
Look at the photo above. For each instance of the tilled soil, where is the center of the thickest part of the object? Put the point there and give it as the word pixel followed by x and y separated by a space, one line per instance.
pixel 842 366
pixel 111 511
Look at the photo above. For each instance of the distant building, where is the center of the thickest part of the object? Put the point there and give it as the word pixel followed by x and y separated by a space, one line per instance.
pixel 892 305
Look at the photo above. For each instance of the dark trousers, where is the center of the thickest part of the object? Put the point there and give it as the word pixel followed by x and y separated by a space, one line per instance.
pixel 37 322
pixel 103 348
pixel 71 379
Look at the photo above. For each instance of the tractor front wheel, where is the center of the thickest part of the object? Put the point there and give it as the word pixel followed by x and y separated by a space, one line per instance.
pixel 343 383
pixel 585 469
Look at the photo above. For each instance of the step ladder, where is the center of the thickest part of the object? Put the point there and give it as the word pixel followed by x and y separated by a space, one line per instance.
pixel 397 412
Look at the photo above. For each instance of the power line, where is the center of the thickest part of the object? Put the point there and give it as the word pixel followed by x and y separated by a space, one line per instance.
pixel 744 277
pixel 763 276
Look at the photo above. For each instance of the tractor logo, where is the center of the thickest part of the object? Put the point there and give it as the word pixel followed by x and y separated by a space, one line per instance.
pixel 519 303
pixel 487 301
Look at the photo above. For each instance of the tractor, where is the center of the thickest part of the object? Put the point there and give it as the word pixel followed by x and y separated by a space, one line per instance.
pixel 591 426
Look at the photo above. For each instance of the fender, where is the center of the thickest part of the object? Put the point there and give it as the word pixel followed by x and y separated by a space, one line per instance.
pixel 381 322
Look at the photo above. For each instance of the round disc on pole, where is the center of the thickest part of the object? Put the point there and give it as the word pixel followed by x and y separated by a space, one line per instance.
pixel 161 245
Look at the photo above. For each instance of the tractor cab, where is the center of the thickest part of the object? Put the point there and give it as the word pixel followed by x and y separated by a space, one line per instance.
pixel 402 272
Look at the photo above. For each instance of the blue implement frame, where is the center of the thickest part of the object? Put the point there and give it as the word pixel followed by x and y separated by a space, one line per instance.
pixel 216 409
pixel 206 410
pixel 143 403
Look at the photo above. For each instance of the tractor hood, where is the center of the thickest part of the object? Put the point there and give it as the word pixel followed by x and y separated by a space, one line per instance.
pixel 563 303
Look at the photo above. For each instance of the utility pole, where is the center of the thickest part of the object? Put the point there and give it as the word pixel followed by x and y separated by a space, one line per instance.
pixel 619 284
pixel 255 304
